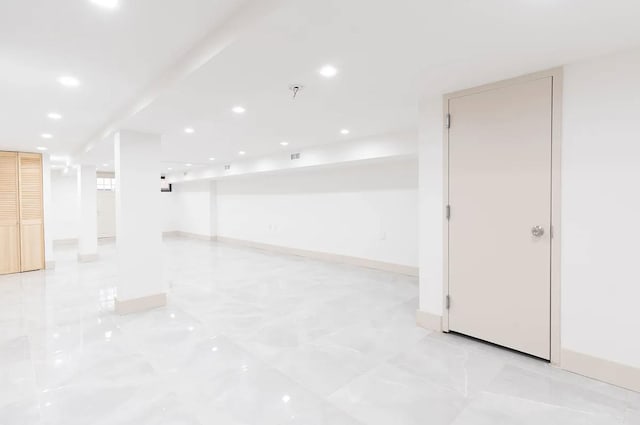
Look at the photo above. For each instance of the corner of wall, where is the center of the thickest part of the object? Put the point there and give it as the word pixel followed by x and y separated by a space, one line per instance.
pixel 429 321
pixel 431 204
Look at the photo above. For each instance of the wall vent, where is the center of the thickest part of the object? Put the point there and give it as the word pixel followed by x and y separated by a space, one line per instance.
pixel 295 156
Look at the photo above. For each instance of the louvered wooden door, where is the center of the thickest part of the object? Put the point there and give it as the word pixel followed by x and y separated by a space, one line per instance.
pixel 31 214
pixel 9 214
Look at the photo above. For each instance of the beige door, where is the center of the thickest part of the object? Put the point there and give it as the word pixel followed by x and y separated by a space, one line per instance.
pixel 9 214
pixel 31 214
pixel 106 214
pixel 499 191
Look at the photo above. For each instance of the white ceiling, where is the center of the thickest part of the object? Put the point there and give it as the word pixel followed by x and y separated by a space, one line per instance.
pixel 388 54
pixel 112 52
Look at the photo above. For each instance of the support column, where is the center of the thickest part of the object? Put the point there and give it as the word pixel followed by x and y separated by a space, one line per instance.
pixel 88 208
pixel 138 233
pixel 50 261
pixel 213 210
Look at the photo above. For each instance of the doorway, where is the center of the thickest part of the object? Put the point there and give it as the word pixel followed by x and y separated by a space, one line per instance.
pixel 501 277
pixel 106 205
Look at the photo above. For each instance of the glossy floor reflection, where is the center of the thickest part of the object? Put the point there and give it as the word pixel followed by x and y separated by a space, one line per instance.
pixel 251 337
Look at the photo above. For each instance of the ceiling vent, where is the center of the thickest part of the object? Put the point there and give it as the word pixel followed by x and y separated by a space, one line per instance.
pixel 227 167
pixel 295 156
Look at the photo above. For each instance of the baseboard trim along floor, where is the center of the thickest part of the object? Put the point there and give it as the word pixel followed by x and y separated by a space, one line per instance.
pixel 324 256
pixel 622 375
pixel 429 321
pixel 137 305
pixel 179 234
pixel 87 258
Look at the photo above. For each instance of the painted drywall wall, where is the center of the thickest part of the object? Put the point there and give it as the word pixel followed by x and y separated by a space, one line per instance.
pixel 47 207
pixel 88 210
pixel 431 209
pixel 180 210
pixel 65 216
pixel 367 211
pixel 168 220
pixel 189 208
pixel 600 208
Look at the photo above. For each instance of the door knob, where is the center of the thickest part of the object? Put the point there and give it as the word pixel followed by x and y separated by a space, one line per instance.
pixel 537 231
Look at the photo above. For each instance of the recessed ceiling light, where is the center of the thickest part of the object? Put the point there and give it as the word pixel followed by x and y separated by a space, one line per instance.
pixel 109 4
pixel 69 81
pixel 239 109
pixel 328 71
pixel 344 131
pixel 212 159
pixel 46 136
pixel 169 168
pixel 188 164
pixel 41 148
pixel 241 153
pixel 284 143
pixel 189 130
pixel 54 116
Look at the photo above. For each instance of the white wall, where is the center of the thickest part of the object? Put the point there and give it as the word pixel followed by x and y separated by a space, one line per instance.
pixel 88 210
pixel 47 210
pixel 601 206
pixel 186 209
pixel 189 208
pixel 168 220
pixel 64 206
pixel 431 204
pixel 367 211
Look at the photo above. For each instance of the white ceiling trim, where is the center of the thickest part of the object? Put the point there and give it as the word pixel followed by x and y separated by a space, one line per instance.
pixel 374 148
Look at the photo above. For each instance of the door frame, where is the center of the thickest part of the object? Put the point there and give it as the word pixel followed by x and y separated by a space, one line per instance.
pixel 556 151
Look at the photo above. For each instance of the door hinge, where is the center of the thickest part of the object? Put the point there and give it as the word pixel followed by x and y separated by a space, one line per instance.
pixel 447 302
pixel 447 121
pixel 448 212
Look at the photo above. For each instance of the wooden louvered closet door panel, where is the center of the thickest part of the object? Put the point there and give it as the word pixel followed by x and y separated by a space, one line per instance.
pixel 31 213
pixel 9 214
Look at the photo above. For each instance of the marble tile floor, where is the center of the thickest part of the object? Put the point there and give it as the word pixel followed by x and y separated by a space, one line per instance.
pixel 251 337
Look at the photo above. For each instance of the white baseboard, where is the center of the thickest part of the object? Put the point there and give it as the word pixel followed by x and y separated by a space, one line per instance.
pixel 138 305
pixel 179 234
pixel 429 321
pixel 65 242
pixel 622 375
pixel 87 258
pixel 335 258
